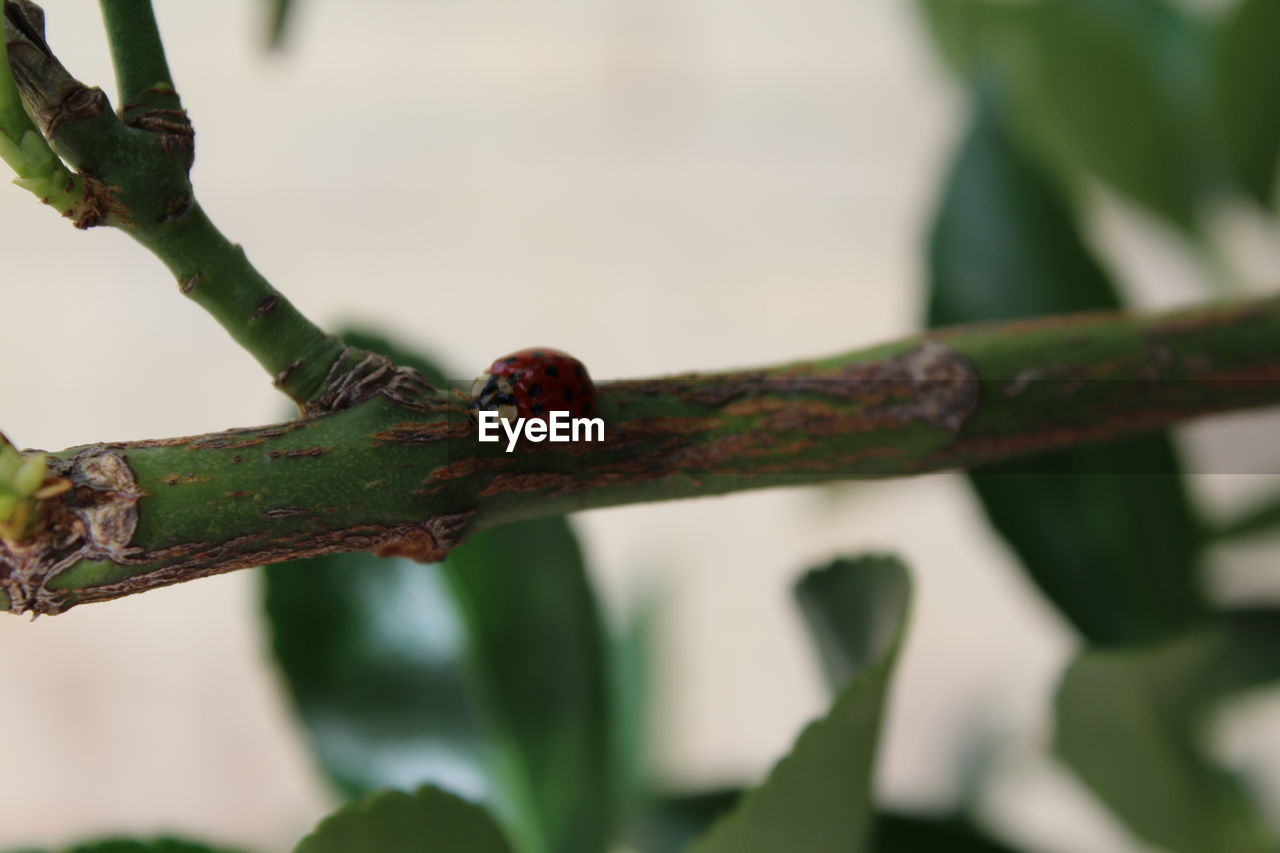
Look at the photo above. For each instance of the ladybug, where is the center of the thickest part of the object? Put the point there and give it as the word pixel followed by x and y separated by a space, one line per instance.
pixel 532 382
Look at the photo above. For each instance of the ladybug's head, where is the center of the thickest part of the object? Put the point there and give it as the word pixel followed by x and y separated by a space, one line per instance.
pixel 492 392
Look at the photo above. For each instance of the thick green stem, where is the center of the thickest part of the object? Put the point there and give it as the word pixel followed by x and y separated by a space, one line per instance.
pixel 400 471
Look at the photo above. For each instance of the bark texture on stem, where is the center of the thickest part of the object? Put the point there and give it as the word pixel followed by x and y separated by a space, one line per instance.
pixel 396 466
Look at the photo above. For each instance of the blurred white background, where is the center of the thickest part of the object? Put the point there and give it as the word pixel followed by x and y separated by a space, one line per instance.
pixel 652 185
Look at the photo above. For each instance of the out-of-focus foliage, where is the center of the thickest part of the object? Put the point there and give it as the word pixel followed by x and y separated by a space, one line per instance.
pixel 676 821
pixel 1246 68
pixel 486 674
pixel 818 797
pixel 372 652
pixel 1107 531
pixel 159 845
pixel 426 821
pixel 1130 724
pixel 671 823
pixel 903 833
pixel 1170 109
pixel 280 15
pixel 539 656
pixel 1119 89
pixel 1167 107
pixel 970 35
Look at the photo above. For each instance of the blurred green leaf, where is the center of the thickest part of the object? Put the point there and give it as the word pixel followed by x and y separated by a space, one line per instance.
pixel 1121 89
pixel 428 821
pixel 1261 519
pixel 1117 552
pixel 539 655
pixel 632 671
pixel 487 674
pixel 818 798
pixel 907 833
pixel 1251 637
pixel 158 845
pixel 677 820
pixel 1129 725
pixel 971 35
pixel 852 606
pixel 1246 71
pixel 848 608
pixel 503 700
pixel 672 823
pixel 280 16
pixel 1005 243
pixel 372 652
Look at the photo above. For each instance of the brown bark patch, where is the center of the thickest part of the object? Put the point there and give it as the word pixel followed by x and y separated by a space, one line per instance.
pixel 465 468
pixel 301 453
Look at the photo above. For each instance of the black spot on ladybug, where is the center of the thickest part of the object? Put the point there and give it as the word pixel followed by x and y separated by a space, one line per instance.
pixel 511 360
pixel 568 395
pixel 537 354
pixel 578 371
pixel 537 408
pixel 552 371
pixel 535 390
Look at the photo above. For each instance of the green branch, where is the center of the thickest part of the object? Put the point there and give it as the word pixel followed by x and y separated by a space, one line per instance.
pixel 134 176
pixel 137 52
pixel 400 471
pixel 148 98
pixel 216 275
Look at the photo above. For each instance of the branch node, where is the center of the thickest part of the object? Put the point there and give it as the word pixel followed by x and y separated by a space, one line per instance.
pixel 96 205
pixel 93 520
pixel 171 126
pixel 357 375
pixel 176 207
pixel 429 543
pixel 948 384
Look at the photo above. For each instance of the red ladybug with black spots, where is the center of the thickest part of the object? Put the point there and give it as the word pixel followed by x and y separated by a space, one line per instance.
pixel 532 382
